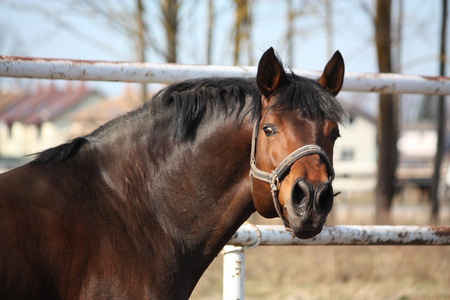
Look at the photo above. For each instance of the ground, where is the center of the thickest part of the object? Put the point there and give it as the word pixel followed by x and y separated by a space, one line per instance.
pixel 344 272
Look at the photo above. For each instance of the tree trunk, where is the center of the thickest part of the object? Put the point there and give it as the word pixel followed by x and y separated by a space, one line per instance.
pixel 290 33
pixel 210 30
pixel 241 30
pixel 440 123
pixel 329 27
pixel 169 9
pixel 387 118
pixel 140 43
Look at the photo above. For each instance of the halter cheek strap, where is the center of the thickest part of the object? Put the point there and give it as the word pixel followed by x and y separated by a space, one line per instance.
pixel 274 178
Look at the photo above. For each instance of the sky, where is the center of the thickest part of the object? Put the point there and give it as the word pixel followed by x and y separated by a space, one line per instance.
pixel 63 29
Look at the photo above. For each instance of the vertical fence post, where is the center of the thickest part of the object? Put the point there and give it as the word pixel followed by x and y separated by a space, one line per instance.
pixel 233 273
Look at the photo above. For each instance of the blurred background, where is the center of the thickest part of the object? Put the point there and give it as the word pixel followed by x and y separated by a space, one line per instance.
pixel 391 162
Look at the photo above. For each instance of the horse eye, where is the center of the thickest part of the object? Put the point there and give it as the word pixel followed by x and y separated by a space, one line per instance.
pixel 334 135
pixel 268 130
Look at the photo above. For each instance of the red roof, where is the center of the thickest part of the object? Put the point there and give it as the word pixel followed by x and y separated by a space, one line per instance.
pixel 44 105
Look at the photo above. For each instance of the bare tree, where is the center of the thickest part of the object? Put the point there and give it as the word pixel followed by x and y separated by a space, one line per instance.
pixel 210 31
pixel 440 121
pixel 387 117
pixel 290 32
pixel 169 10
pixel 242 30
pixel 132 24
pixel 121 20
pixel 322 10
pixel 329 26
pixel 140 42
pixel 293 13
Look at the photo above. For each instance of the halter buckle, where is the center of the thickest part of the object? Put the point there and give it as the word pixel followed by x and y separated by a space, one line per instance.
pixel 274 182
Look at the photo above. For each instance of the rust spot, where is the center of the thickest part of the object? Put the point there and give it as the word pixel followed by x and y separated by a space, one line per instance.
pixel 380 88
pixel 403 235
pixel 441 231
pixel 437 78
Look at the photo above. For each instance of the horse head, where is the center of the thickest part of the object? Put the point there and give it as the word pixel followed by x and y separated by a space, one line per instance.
pixel 293 140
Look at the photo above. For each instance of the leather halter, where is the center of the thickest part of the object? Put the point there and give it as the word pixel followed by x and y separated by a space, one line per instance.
pixel 274 178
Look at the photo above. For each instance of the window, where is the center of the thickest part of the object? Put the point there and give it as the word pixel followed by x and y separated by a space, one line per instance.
pixel 347 155
pixel 351 118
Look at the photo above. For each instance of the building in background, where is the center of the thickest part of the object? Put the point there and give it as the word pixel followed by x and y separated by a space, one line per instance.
pixel 355 153
pixel 32 122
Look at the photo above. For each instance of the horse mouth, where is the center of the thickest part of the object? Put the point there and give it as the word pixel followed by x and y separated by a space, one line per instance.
pixel 307 232
pixel 306 225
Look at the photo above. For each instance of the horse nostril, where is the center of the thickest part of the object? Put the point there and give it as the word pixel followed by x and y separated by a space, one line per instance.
pixel 300 190
pixel 324 198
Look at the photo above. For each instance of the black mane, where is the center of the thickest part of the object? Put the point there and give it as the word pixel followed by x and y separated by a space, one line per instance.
pixel 187 102
pixel 58 154
pixel 190 100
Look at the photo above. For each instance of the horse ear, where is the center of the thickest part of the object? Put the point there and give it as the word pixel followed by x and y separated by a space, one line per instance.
pixel 333 75
pixel 271 75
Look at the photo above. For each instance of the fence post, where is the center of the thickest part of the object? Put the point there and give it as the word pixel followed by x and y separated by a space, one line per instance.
pixel 233 273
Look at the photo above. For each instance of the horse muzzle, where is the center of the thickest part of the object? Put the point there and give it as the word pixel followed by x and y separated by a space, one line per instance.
pixel 310 204
pixel 308 207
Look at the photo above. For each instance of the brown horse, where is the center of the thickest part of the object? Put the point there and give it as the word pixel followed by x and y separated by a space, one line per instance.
pixel 139 208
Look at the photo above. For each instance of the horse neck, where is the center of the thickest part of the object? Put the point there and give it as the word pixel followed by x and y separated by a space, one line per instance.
pixel 192 195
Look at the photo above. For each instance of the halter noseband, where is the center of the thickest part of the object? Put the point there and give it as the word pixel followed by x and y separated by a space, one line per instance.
pixel 274 178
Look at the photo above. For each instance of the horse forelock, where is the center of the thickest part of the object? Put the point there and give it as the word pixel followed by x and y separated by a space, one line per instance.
pixel 309 98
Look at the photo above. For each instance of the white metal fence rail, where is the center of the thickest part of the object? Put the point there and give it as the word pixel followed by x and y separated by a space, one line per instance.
pixel 26 67
pixel 249 236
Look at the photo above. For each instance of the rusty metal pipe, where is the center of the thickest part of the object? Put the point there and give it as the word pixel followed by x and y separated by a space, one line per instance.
pixel 345 235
